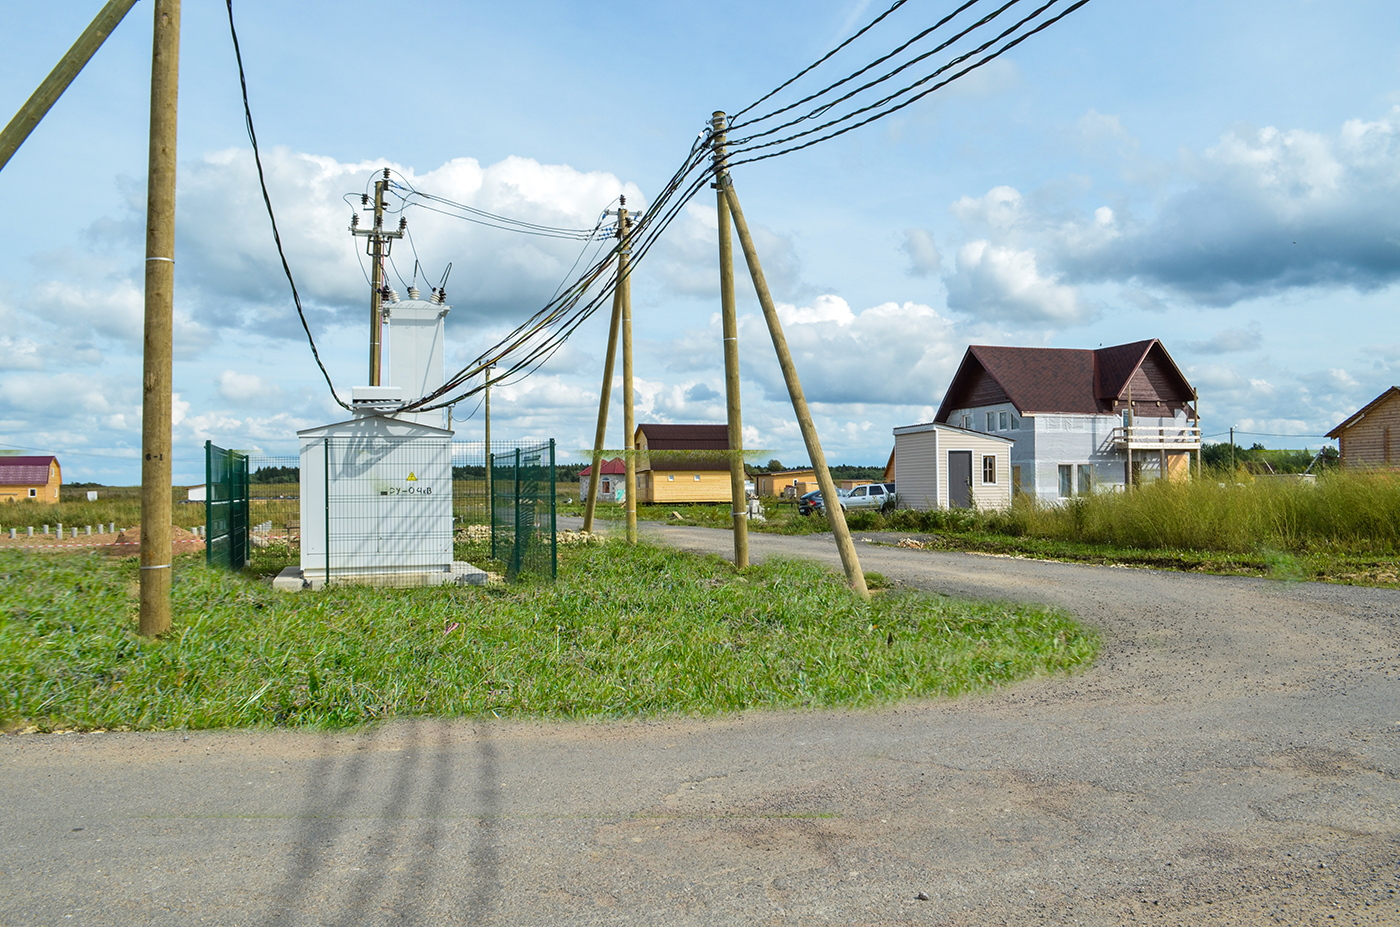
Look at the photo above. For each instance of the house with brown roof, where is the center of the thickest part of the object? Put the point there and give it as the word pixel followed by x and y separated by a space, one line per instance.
pixel 612 478
pixel 682 463
pixel 29 479
pixel 1370 437
pixel 1081 421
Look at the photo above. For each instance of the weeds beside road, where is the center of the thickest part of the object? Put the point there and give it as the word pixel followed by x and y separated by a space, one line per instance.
pixel 1345 528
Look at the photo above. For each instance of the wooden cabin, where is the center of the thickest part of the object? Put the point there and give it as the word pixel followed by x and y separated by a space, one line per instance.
pixel 30 479
pixel 1370 438
pixel 682 463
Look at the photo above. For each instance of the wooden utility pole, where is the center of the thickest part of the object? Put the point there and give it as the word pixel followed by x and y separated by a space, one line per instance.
pixel 160 287
pixel 604 399
pixel 376 282
pixel 831 500
pixel 629 417
pixel 378 247
pixel 730 326
pixel 60 77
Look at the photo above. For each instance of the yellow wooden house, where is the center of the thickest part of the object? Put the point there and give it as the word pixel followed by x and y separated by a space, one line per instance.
pixel 29 479
pixel 682 463
pixel 785 482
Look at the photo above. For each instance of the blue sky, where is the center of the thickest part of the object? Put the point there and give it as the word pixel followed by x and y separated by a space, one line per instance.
pixel 1220 175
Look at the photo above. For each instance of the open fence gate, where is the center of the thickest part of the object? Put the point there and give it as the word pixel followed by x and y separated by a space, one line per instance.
pixel 225 507
pixel 522 488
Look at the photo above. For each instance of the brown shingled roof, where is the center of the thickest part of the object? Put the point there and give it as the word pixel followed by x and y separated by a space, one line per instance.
pixel 1056 379
pixel 686 437
pixel 685 441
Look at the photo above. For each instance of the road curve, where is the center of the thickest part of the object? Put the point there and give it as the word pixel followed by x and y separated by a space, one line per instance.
pixel 1232 758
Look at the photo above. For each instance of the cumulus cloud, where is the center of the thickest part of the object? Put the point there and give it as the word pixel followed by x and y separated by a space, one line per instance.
pixel 890 353
pixel 1262 211
pixel 924 259
pixel 1005 284
pixel 224 243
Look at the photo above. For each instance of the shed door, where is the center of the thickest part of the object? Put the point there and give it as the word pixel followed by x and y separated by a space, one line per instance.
pixel 960 479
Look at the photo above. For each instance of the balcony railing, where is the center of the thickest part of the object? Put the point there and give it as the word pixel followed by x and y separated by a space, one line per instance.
pixel 1158 437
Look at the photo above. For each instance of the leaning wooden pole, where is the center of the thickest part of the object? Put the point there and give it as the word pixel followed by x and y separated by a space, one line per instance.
pixel 849 560
pixel 629 414
pixel 604 398
pixel 160 286
pixel 730 324
pixel 47 94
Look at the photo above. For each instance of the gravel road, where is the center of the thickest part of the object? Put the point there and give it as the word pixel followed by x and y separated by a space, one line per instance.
pixel 1232 758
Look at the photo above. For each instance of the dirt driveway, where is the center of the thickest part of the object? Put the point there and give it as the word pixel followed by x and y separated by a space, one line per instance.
pixel 1232 758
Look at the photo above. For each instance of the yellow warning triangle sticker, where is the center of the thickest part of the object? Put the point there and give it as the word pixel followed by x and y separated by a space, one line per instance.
pixel 411 477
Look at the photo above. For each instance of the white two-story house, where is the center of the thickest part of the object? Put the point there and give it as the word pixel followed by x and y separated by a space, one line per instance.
pixel 1082 421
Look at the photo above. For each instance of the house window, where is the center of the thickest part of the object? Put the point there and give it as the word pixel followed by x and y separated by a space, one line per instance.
pixel 1086 479
pixel 697 477
pixel 991 421
pixel 670 477
pixel 1066 481
pixel 1015 423
pixel 967 422
pixel 989 468
pixel 1001 421
pixel 33 493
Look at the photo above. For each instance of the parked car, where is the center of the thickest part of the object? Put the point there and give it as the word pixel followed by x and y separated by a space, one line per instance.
pixel 871 496
pixel 809 502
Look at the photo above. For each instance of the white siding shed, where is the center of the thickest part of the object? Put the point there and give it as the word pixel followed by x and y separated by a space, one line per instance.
pixel 927 455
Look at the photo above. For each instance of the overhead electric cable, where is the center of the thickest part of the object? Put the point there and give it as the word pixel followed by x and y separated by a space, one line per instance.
pixel 267 201
pixel 820 61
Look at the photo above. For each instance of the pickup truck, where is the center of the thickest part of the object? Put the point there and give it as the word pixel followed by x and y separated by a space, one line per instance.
pixel 871 496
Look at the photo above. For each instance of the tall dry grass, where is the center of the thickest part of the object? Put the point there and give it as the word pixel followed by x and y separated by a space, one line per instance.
pixel 1353 511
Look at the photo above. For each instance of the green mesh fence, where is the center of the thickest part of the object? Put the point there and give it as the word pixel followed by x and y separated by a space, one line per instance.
pixel 522 491
pixel 226 507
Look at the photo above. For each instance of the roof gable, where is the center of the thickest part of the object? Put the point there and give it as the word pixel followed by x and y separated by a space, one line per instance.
pixel 613 467
pixel 1362 412
pixel 1065 380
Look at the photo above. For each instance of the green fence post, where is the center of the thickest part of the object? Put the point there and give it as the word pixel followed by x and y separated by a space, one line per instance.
pixel 553 524
pixel 491 499
pixel 208 497
pixel 327 506
pixel 518 555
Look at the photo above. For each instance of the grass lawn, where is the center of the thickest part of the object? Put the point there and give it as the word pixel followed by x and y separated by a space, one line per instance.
pixel 623 632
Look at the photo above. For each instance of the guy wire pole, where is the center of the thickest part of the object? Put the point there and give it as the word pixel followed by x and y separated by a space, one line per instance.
pixel 603 400
pixel 740 502
pixel 156 349
pixel 60 77
pixel 831 501
pixel 629 417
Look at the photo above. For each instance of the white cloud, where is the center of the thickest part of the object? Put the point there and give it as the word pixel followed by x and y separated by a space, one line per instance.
pixel 924 258
pixel 1005 284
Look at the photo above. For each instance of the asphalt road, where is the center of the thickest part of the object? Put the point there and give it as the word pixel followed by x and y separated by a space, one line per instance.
pixel 1232 758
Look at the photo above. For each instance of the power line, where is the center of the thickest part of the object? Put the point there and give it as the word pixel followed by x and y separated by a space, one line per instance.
pixel 267 201
pixel 916 97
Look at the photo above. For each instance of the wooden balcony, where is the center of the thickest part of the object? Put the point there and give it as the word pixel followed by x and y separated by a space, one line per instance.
pixel 1157 438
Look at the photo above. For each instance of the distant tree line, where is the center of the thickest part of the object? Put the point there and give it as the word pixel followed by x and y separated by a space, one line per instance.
pixel 276 475
pixel 1260 459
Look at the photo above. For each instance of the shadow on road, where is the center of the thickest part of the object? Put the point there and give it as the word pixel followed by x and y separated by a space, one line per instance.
pixel 383 830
